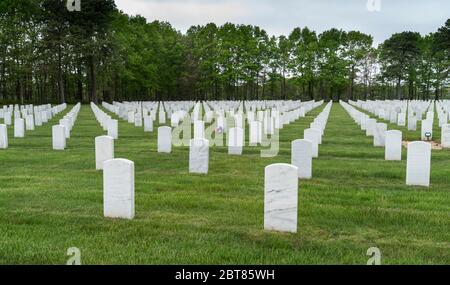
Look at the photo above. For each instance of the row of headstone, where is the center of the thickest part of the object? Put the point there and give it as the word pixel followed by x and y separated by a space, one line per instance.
pixel 61 132
pixel 407 113
pixel 229 118
pixel 281 180
pixel 418 153
pixel 24 119
pixel 106 122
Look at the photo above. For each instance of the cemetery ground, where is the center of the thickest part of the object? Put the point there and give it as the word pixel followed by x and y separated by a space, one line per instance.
pixel 52 200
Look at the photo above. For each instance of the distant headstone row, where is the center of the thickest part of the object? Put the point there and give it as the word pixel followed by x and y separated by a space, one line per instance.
pixel 281 192
pixel 61 132
pixel 26 118
pixel 419 153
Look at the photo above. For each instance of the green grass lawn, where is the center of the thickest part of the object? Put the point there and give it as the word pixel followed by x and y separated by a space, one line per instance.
pixel 52 200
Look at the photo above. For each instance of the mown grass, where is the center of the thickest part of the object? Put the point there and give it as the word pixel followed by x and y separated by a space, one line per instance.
pixel 50 201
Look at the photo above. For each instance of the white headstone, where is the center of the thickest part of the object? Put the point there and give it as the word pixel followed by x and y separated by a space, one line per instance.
pixel 131 117
pixel 255 132
pixel 44 117
pixel 37 119
pixel 148 124
pixel 393 148
pixel 19 128
pixel 445 136
pixel 138 120
pixel 370 127
pixel 401 121
pixel 66 124
pixel 235 141
pixel 59 137
pixel 3 136
pixel 301 157
pixel 412 123
pixel 379 138
pixel 29 122
pixel 281 198
pixel 104 150
pixel 165 139
pixel 8 118
pixel 427 128
pixel 418 164
pixel 113 129
pixel 313 136
pixel 162 117
pixel 198 156
pixel 118 189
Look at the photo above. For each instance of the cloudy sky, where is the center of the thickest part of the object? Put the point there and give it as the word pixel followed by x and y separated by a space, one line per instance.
pixel 380 18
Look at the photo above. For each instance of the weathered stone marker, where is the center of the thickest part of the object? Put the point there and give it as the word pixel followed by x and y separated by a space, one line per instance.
pixel 199 156
pixel 281 198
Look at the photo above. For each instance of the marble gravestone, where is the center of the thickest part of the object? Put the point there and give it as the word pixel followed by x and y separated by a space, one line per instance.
pixel 301 157
pixel 427 127
pixel 104 150
pixel 131 117
pixel 401 121
pixel 281 198
pixel 445 136
pixel 19 128
pixel 255 133
pixel 137 120
pixel 7 118
pixel 379 138
pixel 393 148
pixel 37 119
pixel 3 136
pixel 44 117
pixel 412 123
pixel 370 127
pixel 118 189
pixel 198 156
pixel 29 122
pixel 235 141
pixel 165 139
pixel 148 124
pixel 393 116
pixel 418 164
pixel 66 124
pixel 59 137
pixel 313 136
pixel 113 129
pixel 162 117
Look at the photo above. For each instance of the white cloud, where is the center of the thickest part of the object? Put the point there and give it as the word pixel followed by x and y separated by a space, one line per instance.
pixel 281 16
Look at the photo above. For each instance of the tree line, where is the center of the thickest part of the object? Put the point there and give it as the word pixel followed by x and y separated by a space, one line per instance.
pixel 48 54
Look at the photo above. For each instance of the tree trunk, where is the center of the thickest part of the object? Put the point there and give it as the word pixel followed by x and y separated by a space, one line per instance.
pixel 60 77
pixel 92 80
pixel 397 91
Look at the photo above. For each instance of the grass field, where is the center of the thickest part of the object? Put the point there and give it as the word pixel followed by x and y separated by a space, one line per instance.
pixel 50 201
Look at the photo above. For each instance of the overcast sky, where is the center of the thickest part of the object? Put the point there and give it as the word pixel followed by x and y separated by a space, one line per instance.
pixel 380 18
